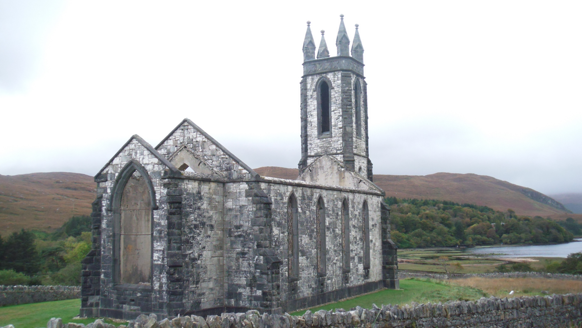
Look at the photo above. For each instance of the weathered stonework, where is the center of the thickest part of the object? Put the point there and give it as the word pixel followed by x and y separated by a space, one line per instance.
pixel 537 311
pixel 219 238
pixel 13 295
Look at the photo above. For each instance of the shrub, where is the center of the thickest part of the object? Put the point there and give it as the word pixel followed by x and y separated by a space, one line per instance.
pixel 515 267
pixel 67 276
pixel 572 264
pixel 11 277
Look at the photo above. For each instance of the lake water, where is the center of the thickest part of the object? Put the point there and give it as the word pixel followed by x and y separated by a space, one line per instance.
pixel 560 250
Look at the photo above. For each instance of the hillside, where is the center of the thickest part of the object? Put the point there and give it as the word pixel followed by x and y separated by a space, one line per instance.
pixel 43 201
pixel 459 188
pixel 572 201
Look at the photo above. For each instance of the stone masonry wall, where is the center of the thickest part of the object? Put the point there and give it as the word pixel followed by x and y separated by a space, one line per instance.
pixel 360 147
pixel 337 283
pixel 13 295
pixel 549 311
pixel 115 300
pixel 202 231
pixel 332 145
pixel 343 140
pixel 188 135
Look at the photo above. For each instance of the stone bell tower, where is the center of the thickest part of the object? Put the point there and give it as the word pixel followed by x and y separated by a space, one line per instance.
pixel 334 103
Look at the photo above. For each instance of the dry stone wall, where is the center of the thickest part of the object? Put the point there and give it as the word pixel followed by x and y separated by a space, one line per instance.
pixel 548 311
pixel 494 275
pixel 14 295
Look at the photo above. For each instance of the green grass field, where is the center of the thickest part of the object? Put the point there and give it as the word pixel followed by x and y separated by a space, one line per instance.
pixel 38 314
pixel 420 291
pixel 411 290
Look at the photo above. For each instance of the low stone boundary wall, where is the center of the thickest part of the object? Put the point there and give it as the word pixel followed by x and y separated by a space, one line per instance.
pixel 537 311
pixel 13 295
pixel 561 276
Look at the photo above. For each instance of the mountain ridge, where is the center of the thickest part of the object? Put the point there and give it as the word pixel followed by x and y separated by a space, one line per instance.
pixel 467 188
pixel 572 201
pixel 45 201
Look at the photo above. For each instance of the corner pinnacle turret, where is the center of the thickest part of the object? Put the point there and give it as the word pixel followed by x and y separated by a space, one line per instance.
pixel 308 44
pixel 322 52
pixel 342 41
pixel 357 47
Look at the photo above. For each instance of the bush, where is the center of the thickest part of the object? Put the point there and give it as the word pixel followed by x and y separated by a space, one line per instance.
pixel 11 277
pixel 572 264
pixel 552 267
pixel 67 276
pixel 515 267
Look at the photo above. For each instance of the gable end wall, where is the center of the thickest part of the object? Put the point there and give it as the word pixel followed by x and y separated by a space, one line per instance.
pixel 186 135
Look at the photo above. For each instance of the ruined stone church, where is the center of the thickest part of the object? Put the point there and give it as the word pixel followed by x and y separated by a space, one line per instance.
pixel 186 227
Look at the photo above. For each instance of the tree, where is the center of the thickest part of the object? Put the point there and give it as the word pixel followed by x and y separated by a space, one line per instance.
pixel 20 254
pixel 459 231
pixel 2 256
pixel 450 268
pixel 572 264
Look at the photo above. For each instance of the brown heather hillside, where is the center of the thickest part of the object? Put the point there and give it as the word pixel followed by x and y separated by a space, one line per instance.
pixel 43 201
pixel 460 188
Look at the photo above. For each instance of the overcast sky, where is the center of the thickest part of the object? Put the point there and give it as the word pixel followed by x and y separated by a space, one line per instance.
pixel 486 87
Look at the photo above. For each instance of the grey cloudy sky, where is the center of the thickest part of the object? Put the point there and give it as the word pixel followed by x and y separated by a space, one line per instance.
pixel 485 87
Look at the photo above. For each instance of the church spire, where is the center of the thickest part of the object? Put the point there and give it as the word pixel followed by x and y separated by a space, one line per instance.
pixel 342 41
pixel 322 52
pixel 357 48
pixel 308 45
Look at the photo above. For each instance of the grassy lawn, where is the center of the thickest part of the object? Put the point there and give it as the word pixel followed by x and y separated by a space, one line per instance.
pixel 38 314
pixel 419 291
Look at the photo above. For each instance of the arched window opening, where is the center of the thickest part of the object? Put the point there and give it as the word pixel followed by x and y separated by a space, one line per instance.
pixel 293 238
pixel 133 232
pixel 358 108
pixel 186 161
pixel 185 168
pixel 321 242
pixel 366 238
pixel 345 236
pixel 324 108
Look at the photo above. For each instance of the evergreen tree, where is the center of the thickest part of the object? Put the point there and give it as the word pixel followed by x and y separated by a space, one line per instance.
pixel 2 257
pixel 20 253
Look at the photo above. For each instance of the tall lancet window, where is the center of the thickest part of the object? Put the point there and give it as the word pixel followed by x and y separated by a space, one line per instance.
pixel 345 236
pixel 133 229
pixel 358 107
pixel 323 109
pixel 320 232
pixel 366 237
pixel 293 238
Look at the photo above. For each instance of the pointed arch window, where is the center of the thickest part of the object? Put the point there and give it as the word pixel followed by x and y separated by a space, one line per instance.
pixel 324 108
pixel 345 236
pixel 133 202
pixel 358 108
pixel 366 237
pixel 321 241
pixel 293 238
